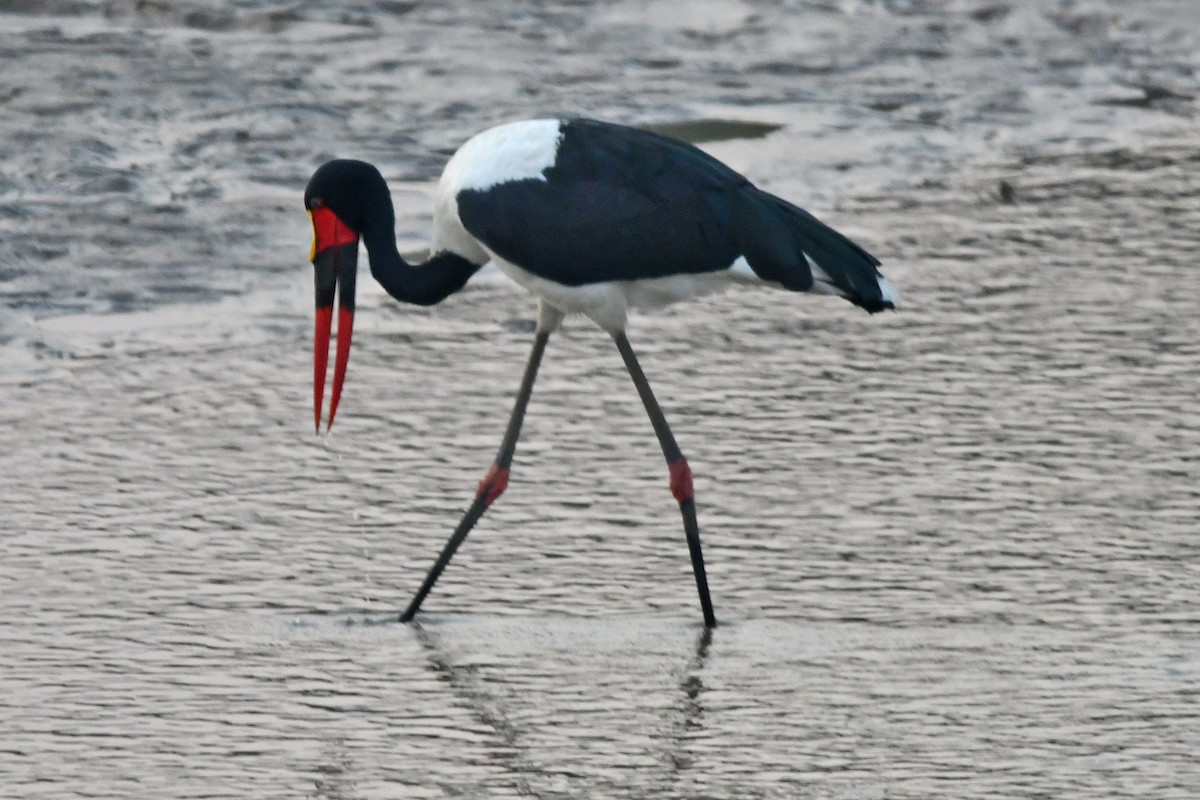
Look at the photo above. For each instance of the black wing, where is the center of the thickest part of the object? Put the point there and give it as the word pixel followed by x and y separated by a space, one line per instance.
pixel 619 204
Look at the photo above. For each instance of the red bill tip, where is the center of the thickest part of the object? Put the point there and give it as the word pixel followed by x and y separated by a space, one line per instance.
pixel 344 332
pixel 320 360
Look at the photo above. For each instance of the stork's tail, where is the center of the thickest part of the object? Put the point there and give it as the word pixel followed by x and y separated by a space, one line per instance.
pixel 787 245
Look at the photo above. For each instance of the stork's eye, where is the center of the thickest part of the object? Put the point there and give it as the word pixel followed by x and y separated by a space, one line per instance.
pixel 314 203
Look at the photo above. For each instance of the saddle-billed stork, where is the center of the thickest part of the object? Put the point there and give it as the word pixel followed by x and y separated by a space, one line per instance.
pixel 592 218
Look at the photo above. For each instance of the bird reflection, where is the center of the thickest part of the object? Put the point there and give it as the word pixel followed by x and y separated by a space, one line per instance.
pixel 691 709
pixel 681 721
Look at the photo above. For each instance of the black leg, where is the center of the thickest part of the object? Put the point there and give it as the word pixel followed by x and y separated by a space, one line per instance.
pixel 494 483
pixel 681 474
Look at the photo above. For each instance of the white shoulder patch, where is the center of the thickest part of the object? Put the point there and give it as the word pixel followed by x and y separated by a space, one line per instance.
pixel 513 152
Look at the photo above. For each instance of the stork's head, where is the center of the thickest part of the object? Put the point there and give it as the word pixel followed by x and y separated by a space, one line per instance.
pixel 343 198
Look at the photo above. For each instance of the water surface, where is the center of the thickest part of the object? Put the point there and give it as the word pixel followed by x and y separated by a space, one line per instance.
pixel 952 549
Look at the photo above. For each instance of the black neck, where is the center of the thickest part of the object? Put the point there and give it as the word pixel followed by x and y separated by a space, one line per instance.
pixel 440 276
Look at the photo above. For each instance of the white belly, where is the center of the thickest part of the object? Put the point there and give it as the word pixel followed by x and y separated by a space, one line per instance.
pixel 608 303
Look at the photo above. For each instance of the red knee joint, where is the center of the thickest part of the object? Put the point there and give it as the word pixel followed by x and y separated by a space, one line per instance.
pixel 681 481
pixel 492 485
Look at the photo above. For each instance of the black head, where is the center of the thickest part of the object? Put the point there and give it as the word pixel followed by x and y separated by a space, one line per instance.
pixel 354 191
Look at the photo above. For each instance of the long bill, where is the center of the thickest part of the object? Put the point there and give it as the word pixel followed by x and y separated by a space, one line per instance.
pixel 335 260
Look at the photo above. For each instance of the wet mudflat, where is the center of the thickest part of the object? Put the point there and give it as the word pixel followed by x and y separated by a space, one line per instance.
pixel 952 549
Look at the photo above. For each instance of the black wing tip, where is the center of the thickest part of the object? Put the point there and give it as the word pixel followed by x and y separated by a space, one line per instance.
pixel 875 306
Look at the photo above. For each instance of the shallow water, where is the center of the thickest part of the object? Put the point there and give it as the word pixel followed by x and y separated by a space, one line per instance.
pixel 952 549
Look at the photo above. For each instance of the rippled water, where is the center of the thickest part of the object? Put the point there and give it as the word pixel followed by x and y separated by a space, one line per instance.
pixel 952 549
